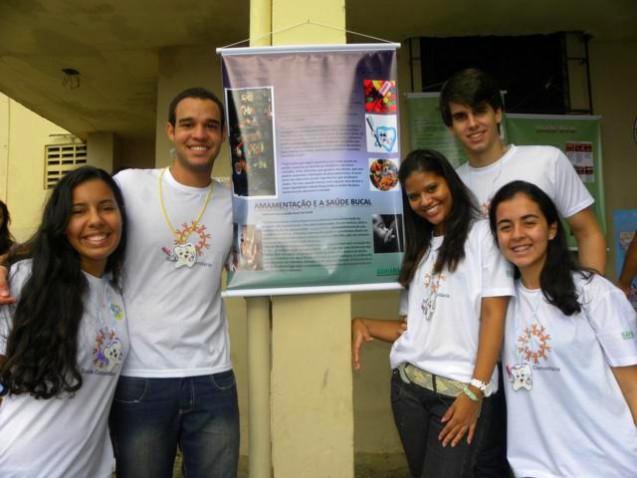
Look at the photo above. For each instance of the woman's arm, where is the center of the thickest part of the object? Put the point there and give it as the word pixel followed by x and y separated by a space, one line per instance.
pixel 627 379
pixel 366 330
pixel 462 415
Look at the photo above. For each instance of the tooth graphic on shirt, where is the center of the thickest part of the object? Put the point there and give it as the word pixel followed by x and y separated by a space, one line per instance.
pixel 521 376
pixel 186 255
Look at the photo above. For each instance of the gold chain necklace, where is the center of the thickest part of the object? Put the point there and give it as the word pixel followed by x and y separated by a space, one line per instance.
pixel 184 253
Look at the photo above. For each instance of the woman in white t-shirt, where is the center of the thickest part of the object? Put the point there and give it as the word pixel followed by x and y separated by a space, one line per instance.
pixel 570 351
pixel 457 289
pixel 63 342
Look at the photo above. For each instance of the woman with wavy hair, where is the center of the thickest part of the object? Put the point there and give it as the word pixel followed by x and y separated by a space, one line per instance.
pixel 570 350
pixel 457 286
pixel 63 342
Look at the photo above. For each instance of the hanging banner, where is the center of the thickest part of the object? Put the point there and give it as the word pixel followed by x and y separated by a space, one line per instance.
pixel 579 137
pixel 314 139
pixel 625 225
pixel 427 130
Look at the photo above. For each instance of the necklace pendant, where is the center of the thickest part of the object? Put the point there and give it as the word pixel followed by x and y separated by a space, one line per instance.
pixel 185 255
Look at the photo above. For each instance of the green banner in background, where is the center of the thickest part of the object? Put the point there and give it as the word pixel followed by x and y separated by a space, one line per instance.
pixel 579 138
pixel 427 130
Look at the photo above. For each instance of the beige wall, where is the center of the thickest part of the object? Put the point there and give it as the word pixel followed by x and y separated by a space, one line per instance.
pixel 614 80
pixel 23 135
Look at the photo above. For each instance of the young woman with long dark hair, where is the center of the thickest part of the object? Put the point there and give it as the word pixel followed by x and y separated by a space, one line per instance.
pixel 457 286
pixel 570 350
pixel 63 343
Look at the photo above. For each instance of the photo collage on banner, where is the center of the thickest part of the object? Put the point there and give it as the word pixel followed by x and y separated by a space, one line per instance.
pixel 314 139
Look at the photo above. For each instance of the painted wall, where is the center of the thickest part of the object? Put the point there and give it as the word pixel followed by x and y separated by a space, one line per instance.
pixel 614 76
pixel 23 136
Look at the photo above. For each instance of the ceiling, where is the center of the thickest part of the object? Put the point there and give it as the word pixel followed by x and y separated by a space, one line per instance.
pixel 115 44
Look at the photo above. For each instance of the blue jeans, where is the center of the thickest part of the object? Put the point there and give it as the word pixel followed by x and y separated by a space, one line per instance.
pixel 151 416
pixel 417 414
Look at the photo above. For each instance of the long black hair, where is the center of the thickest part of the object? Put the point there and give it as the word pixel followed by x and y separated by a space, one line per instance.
pixel 41 352
pixel 419 231
pixel 6 239
pixel 556 277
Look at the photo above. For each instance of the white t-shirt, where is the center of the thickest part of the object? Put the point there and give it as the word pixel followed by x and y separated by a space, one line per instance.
pixel 574 420
pixel 545 166
pixel 178 324
pixel 67 436
pixel 443 310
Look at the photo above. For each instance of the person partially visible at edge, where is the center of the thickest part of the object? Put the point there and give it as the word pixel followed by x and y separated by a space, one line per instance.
pixel 570 351
pixel 178 388
pixel 63 344
pixel 457 291
pixel 6 239
pixel 629 269
pixel 471 107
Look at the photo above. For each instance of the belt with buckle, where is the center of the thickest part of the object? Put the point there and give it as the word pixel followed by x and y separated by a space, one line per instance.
pixel 444 386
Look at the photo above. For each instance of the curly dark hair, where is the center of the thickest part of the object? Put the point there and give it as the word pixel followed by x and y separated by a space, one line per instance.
pixel 41 351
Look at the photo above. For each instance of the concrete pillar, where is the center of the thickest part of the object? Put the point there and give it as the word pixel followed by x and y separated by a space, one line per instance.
pixel 258 312
pixel 312 407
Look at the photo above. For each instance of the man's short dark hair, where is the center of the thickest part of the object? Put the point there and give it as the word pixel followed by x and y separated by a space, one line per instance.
pixel 470 87
pixel 198 93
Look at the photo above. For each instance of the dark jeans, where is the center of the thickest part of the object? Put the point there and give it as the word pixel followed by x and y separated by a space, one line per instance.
pixel 151 416
pixel 491 459
pixel 417 414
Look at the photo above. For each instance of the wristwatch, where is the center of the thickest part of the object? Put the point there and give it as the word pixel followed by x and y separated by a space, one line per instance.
pixel 485 388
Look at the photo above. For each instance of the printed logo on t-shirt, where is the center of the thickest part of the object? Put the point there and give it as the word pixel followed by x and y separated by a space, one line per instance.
pixel 534 344
pixel 191 240
pixel 107 353
pixel 431 283
pixel 118 312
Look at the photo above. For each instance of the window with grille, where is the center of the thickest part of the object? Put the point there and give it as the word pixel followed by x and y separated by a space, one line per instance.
pixel 61 158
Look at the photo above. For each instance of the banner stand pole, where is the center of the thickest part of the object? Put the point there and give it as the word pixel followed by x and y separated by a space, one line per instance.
pixel 259 369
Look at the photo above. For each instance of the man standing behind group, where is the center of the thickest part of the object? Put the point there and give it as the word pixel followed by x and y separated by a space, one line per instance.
pixel 177 386
pixel 471 107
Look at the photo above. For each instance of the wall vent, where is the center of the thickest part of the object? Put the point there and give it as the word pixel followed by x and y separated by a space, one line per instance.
pixel 60 159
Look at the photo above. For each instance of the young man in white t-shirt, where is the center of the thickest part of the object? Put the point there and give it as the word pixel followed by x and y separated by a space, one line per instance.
pixel 471 107
pixel 177 386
